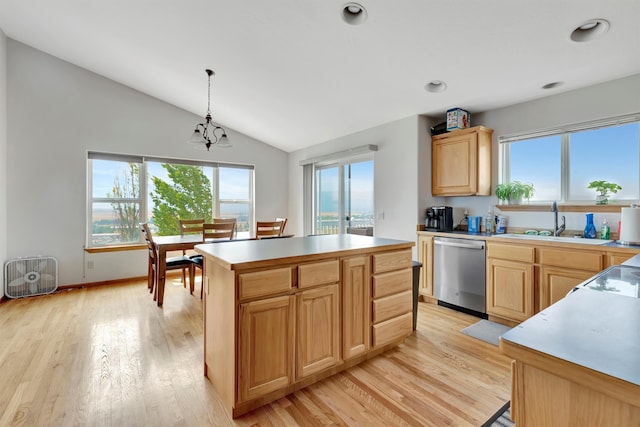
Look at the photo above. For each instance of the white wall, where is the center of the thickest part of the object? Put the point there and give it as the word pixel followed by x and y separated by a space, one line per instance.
pixel 56 113
pixel 3 155
pixel 617 97
pixel 396 175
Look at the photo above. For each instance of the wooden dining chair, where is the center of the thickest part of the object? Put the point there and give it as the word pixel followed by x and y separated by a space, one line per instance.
pixel 218 231
pixel 172 263
pixel 265 229
pixel 284 224
pixel 228 221
pixel 189 226
pixel 211 233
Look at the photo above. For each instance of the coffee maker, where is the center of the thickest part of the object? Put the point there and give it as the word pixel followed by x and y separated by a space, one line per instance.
pixel 439 218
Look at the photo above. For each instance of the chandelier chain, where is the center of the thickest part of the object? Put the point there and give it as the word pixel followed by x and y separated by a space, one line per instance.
pixel 209 96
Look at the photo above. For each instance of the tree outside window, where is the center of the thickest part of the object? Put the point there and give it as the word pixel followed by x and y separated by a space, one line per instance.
pixel 121 196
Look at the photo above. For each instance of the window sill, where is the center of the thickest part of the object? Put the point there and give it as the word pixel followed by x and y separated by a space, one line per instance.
pixel 562 208
pixel 101 249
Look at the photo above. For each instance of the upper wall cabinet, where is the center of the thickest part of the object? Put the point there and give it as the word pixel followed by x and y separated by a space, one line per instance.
pixel 461 162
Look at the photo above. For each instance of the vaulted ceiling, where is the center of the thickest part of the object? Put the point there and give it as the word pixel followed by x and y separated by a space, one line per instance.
pixel 293 73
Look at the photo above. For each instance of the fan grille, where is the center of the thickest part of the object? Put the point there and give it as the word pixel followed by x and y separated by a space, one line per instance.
pixel 25 277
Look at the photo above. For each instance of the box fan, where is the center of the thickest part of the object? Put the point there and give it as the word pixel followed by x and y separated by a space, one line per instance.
pixel 25 277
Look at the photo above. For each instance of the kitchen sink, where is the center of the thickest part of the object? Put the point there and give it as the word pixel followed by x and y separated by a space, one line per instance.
pixel 576 240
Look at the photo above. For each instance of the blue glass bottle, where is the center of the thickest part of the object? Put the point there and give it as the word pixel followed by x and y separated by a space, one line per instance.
pixel 590 229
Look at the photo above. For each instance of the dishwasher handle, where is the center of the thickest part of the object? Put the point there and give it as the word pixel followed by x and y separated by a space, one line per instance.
pixel 460 245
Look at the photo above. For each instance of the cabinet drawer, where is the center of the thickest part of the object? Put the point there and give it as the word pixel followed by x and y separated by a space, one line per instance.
pixel 318 273
pixel 580 260
pixel 392 283
pixel 393 329
pixel 261 283
pixel 511 252
pixel 392 306
pixel 390 261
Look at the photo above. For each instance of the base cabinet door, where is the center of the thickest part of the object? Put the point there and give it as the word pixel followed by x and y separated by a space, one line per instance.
pixel 425 255
pixel 555 283
pixel 318 325
pixel 510 289
pixel 356 303
pixel 266 340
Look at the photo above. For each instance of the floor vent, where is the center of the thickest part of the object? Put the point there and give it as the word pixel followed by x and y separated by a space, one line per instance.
pixel 24 277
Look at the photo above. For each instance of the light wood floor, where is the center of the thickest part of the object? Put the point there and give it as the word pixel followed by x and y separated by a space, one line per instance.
pixel 108 356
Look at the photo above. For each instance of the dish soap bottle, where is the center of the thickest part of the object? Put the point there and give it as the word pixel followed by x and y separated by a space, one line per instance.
pixel 590 229
pixel 605 231
pixel 488 223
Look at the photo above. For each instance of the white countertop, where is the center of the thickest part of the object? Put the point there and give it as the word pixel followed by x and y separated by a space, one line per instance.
pixel 258 253
pixel 596 330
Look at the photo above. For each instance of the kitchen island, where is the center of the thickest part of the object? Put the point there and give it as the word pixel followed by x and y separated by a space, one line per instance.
pixel 577 363
pixel 282 314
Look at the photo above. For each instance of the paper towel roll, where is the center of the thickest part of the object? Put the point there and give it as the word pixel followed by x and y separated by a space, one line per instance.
pixel 630 226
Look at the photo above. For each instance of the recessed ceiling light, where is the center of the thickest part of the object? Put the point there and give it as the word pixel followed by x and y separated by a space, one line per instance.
pixel 552 85
pixel 590 30
pixel 354 14
pixel 435 86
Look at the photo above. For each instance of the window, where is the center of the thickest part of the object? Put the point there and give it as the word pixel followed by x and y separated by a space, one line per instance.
pixel 344 198
pixel 338 192
pixel 560 163
pixel 126 190
pixel 235 197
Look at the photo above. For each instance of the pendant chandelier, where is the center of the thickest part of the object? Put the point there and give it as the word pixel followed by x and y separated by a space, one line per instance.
pixel 206 134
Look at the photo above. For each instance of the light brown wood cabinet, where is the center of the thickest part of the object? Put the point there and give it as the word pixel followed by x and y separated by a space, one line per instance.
pixel 392 297
pixel 318 330
pixel 510 289
pixel 267 335
pixel 266 346
pixel 571 364
pixel 561 270
pixel 556 282
pixel 274 326
pixel 614 258
pixel 461 162
pixel 356 310
pixel 510 281
pixel 526 277
pixel 425 255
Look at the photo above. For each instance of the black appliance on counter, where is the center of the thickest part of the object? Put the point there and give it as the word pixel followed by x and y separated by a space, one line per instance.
pixel 439 218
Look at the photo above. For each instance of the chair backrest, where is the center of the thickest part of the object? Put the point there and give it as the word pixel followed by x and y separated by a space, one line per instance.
pixel 190 226
pixel 148 238
pixel 217 231
pixel 268 228
pixel 227 221
pixel 284 224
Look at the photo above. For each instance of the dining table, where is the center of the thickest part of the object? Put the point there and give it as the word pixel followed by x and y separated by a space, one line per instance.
pixel 166 244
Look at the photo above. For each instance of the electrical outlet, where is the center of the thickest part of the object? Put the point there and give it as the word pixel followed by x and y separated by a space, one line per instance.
pixel 90 265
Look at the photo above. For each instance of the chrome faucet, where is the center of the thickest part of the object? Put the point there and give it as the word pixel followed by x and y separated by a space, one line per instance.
pixel 557 230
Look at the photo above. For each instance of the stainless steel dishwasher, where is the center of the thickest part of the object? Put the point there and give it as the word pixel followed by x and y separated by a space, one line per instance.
pixel 459 272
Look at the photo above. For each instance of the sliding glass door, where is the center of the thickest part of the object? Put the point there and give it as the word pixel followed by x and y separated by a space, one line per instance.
pixel 344 198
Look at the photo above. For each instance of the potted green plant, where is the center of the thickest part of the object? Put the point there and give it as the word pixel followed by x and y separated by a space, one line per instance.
pixel 503 192
pixel 514 192
pixel 603 188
